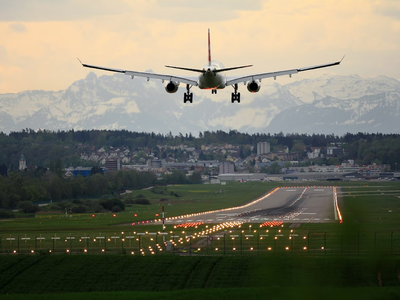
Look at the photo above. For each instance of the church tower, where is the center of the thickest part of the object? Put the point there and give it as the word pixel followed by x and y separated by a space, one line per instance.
pixel 22 162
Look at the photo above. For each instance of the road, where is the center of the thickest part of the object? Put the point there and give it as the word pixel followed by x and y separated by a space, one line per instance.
pixel 290 205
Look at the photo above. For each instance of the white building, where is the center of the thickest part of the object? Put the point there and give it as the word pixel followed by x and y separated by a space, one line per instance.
pixel 22 162
pixel 263 148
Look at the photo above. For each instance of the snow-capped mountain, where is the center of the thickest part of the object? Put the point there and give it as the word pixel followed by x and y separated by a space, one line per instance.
pixel 117 102
pixel 328 104
pixel 341 87
pixel 372 113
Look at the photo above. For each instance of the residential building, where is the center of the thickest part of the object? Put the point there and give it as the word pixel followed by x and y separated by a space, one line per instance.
pixel 113 164
pixel 263 148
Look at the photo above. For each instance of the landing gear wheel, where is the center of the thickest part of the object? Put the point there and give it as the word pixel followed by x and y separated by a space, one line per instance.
pixel 235 95
pixel 188 96
pixel 213 91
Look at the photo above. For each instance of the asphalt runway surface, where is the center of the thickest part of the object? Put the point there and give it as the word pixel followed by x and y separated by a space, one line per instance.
pixel 290 205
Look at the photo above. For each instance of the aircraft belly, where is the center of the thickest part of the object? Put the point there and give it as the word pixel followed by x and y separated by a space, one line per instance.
pixel 211 82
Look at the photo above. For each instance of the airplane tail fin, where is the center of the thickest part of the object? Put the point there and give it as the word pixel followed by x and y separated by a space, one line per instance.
pixel 209 62
pixel 209 48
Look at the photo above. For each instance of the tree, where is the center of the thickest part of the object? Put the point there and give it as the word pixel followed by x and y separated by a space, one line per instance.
pixel 202 156
pixel 110 203
pixel 195 177
pixel 56 167
pixel 274 168
pixel 241 153
pixel 3 170
pixel 288 164
pixel 96 170
pixel 27 207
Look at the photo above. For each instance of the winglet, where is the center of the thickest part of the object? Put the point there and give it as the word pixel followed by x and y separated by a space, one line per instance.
pixel 79 61
pixel 342 58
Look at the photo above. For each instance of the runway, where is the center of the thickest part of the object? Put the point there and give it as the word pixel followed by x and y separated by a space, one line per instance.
pixel 289 204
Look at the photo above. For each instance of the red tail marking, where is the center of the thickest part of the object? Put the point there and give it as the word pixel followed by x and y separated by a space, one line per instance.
pixel 209 49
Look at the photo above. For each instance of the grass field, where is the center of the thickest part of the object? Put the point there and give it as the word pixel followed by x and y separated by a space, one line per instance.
pixel 375 293
pixel 62 273
pixel 358 257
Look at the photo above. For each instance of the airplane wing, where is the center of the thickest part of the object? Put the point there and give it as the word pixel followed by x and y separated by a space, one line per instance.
pixel 235 80
pixel 187 80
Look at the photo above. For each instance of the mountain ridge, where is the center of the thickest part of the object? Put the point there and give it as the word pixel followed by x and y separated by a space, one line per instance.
pixel 117 102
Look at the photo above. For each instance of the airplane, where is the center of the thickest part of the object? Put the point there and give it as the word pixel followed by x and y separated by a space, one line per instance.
pixel 212 77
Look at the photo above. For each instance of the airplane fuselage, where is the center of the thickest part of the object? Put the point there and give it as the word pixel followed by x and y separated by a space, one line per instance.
pixel 210 80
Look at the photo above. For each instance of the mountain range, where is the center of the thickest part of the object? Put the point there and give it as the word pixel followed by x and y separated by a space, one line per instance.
pixel 327 104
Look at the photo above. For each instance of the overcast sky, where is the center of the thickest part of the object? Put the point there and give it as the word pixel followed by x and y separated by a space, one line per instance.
pixel 41 39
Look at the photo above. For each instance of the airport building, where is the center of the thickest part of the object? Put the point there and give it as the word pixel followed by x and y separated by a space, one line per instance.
pixel 226 168
pixel 156 163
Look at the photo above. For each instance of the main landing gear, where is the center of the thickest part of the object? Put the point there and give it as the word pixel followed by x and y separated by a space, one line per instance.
pixel 188 96
pixel 235 95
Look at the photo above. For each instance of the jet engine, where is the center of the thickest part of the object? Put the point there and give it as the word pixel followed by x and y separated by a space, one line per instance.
pixel 171 87
pixel 253 87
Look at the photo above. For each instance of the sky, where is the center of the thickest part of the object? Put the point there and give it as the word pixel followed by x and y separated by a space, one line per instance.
pixel 40 40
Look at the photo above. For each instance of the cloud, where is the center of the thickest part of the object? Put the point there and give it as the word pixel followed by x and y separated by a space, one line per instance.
pixel 203 11
pixel 17 27
pixel 220 5
pixel 58 10
pixel 389 8
pixel 3 54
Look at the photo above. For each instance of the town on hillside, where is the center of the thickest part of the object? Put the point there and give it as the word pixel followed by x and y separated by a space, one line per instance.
pixel 218 163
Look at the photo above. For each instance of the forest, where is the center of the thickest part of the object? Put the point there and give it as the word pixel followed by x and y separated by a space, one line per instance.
pixel 48 153
pixel 43 147
pixel 20 188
